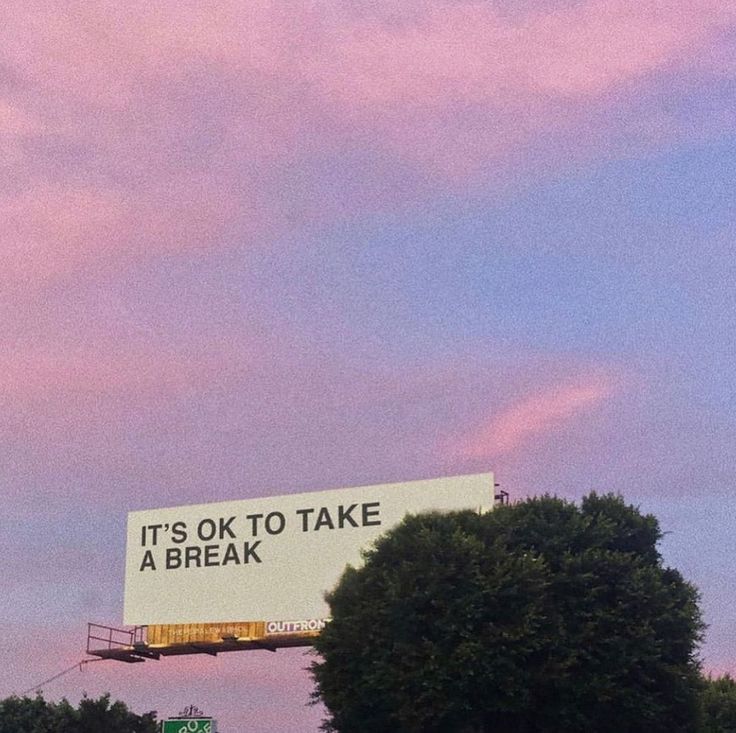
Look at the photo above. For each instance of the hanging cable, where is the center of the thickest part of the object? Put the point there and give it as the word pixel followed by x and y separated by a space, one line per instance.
pixel 79 665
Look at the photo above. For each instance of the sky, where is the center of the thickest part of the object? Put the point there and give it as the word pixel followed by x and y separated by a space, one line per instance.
pixel 258 248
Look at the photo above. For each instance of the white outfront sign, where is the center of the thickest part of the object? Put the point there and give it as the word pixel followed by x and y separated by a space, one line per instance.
pixel 269 559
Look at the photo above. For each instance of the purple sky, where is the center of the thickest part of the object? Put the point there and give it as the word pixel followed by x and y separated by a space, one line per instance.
pixel 260 248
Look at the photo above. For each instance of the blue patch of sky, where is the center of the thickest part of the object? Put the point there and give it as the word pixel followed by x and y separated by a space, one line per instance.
pixel 705 522
pixel 605 262
pixel 629 260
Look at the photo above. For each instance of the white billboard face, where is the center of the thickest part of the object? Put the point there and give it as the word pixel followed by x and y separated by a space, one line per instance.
pixel 270 558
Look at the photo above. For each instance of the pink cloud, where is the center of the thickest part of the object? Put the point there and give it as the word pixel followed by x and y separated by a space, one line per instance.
pixel 443 52
pixel 53 232
pixel 16 121
pixel 471 53
pixel 154 129
pixel 534 417
pixel 364 69
pixel 43 373
pixel 460 86
pixel 114 405
pixel 68 371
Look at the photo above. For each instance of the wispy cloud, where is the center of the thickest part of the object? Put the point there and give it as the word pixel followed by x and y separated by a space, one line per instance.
pixel 532 418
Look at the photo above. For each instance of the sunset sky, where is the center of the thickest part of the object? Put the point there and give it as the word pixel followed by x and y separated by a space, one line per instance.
pixel 251 248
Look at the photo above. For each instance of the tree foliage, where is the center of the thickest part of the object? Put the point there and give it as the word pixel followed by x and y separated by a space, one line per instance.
pixel 36 715
pixel 538 617
pixel 719 705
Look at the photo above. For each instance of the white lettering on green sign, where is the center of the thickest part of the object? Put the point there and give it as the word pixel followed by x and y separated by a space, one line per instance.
pixel 189 726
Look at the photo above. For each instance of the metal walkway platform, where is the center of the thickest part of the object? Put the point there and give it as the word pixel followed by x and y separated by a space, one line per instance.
pixel 142 643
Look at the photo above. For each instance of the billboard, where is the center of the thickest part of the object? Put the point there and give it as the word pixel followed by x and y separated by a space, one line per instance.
pixel 272 558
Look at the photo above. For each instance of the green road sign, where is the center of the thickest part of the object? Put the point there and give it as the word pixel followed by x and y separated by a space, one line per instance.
pixel 191 725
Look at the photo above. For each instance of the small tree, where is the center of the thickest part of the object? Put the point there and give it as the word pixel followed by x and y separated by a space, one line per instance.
pixel 539 617
pixel 36 715
pixel 719 705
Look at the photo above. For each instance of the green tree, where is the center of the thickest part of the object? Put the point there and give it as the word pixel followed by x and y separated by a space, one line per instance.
pixel 539 617
pixel 719 705
pixel 36 715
